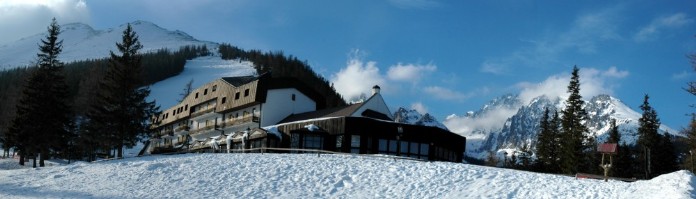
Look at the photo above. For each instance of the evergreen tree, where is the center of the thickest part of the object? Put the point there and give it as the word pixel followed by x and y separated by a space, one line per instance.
pixel 42 121
pixel 122 111
pixel 648 137
pixel 614 136
pixel 545 142
pixel 623 162
pixel 665 156
pixel 573 141
pixel 690 133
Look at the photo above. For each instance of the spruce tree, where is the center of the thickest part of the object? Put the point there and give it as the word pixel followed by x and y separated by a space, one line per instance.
pixel 42 121
pixel 122 111
pixel 614 136
pixel 690 133
pixel 545 140
pixel 648 137
pixel 573 140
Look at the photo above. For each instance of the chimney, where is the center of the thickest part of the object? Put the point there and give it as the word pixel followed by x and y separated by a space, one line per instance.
pixel 375 89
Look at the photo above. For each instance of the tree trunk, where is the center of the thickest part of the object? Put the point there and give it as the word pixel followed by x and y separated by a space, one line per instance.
pixel 21 158
pixel 34 162
pixel 120 152
pixel 42 157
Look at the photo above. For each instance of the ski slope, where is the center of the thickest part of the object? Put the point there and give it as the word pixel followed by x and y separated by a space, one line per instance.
pixel 310 176
pixel 201 70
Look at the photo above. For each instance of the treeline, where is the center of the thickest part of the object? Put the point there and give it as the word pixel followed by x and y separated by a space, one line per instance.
pixel 82 76
pixel 67 110
pixel 281 65
pixel 564 144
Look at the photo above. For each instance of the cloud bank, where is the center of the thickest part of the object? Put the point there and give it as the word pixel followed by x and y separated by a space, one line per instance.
pixel 20 18
pixel 592 82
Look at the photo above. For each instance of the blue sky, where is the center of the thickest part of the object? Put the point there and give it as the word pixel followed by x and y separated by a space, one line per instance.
pixel 443 57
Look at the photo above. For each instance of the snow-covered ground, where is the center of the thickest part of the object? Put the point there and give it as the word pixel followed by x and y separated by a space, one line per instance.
pixel 201 70
pixel 309 176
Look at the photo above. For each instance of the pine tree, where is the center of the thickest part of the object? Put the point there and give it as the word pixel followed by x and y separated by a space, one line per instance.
pixel 690 133
pixel 573 141
pixel 545 142
pixel 122 111
pixel 614 136
pixel 648 137
pixel 665 157
pixel 42 121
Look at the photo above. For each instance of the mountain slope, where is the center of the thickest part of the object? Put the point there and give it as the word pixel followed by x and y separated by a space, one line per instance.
pixel 414 117
pixel 521 128
pixel 81 41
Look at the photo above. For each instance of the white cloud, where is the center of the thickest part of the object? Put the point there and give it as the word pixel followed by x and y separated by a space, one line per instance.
pixel 357 79
pixel 615 73
pixel 418 106
pixel 652 30
pixel 445 94
pixel 493 119
pixel 582 36
pixel 592 82
pixel 409 72
pixel 21 18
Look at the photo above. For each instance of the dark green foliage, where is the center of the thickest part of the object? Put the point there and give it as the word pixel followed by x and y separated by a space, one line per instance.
pixel 548 143
pixel 656 153
pixel 574 144
pixel 120 113
pixel 614 136
pixel 285 66
pixel 42 121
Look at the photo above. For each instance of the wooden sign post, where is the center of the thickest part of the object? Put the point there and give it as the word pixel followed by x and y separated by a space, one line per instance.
pixel 606 149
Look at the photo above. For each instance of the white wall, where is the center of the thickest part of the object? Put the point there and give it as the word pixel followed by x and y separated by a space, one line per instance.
pixel 375 103
pixel 279 105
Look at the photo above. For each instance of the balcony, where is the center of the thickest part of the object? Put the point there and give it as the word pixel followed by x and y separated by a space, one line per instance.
pixel 181 129
pixel 202 112
pixel 243 120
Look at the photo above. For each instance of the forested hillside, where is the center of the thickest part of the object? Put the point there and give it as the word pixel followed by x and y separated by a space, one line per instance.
pixel 82 77
pixel 285 66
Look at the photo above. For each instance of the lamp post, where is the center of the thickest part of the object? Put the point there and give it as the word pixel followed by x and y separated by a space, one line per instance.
pixel 400 132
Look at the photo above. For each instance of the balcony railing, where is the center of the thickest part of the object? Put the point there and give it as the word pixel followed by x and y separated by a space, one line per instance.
pixel 202 112
pixel 228 123
pixel 182 128
pixel 239 121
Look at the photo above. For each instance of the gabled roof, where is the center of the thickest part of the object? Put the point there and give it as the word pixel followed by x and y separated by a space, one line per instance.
pixel 344 111
pixel 238 81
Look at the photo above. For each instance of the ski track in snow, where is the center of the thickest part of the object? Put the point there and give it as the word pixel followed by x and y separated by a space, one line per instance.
pixel 309 176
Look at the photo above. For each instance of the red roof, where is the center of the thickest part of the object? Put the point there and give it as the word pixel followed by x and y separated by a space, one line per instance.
pixel 607 148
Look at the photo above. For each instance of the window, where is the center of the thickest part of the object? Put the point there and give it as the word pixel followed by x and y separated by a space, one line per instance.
pixel 339 142
pixel 295 141
pixel 392 147
pixel 383 144
pixel 224 99
pixel 404 148
pixel 355 144
pixel 205 92
pixel 414 148
pixel 293 97
pixel 196 95
pixel 214 88
pixel 424 149
pixel 236 96
pixel 186 108
pixel 313 142
pixel 174 112
pixel 246 92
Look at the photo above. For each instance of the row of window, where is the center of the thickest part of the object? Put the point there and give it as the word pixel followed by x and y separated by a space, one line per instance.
pixel 205 92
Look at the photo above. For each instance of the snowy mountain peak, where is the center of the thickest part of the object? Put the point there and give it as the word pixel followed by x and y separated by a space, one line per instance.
pixel 81 41
pixel 405 116
pixel 520 122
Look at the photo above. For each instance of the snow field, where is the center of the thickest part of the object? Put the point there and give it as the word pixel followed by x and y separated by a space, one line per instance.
pixel 309 176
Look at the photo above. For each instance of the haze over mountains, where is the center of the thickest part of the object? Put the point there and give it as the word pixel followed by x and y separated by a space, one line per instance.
pixel 507 122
